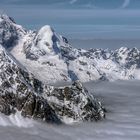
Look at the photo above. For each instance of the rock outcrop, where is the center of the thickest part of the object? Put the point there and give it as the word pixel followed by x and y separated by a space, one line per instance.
pixel 75 103
pixel 21 91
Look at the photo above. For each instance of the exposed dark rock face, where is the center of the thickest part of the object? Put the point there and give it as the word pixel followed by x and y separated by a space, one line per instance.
pixel 74 103
pixel 21 91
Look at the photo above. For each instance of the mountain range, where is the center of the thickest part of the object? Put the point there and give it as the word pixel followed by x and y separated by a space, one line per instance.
pixel 20 89
pixel 51 58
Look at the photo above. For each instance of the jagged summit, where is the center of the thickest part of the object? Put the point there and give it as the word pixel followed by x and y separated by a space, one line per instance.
pixel 45 42
pixel 5 17
pixel 10 32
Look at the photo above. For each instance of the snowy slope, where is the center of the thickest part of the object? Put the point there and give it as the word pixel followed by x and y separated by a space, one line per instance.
pixel 51 58
pixel 41 53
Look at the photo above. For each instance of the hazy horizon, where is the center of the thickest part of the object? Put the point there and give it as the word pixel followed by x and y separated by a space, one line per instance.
pixel 79 19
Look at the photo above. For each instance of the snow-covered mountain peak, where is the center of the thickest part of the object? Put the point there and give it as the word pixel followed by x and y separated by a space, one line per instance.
pixel 6 18
pixel 44 42
pixel 46 29
pixel 127 56
pixel 122 49
pixel 9 21
pixel 47 41
pixel 125 50
pixel 10 32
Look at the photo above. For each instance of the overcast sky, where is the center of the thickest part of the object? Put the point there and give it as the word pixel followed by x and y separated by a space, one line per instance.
pixel 98 4
pixel 96 18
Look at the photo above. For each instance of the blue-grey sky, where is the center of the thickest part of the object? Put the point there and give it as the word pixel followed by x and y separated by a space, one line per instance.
pixel 78 18
pixel 99 4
